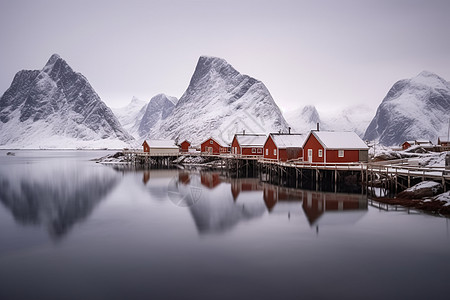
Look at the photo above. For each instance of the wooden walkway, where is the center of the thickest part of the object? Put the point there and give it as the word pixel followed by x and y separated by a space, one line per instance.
pixel 392 175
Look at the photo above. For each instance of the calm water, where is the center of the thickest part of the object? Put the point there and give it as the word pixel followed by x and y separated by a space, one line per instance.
pixel 74 229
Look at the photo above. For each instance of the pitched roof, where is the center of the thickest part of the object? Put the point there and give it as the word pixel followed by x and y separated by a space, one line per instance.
pixel 162 144
pixel 251 140
pixel 218 141
pixel 340 140
pixel 444 139
pixel 283 141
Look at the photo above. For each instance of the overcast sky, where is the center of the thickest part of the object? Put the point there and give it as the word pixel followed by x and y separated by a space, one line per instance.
pixel 326 53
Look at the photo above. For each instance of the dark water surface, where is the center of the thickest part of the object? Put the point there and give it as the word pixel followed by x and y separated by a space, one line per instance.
pixel 74 229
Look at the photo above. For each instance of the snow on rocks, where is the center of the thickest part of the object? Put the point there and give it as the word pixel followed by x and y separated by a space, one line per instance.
pixel 421 190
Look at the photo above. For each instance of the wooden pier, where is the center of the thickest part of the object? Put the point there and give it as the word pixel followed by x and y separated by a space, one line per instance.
pixel 394 175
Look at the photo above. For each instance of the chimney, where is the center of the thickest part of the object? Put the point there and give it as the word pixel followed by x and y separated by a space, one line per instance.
pixel 279 131
pixel 243 131
pixel 318 127
pixel 289 130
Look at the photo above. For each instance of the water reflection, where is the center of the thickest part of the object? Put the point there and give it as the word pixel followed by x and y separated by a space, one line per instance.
pixel 54 194
pixel 333 208
pixel 224 202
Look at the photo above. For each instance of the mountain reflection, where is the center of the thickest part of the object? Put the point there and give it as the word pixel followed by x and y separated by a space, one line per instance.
pixel 55 195
pixel 225 202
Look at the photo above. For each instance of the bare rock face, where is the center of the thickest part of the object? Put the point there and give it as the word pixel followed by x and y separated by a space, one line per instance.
pixel 55 102
pixel 416 108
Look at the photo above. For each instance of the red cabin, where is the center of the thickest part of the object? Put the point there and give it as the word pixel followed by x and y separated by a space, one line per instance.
pixel 407 144
pixel 248 144
pixel 334 147
pixel 214 146
pixel 284 147
pixel 184 146
pixel 146 146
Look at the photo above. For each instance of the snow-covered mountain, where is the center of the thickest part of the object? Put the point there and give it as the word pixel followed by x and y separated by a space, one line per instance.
pixel 157 111
pixel 303 119
pixel 219 102
pixel 354 118
pixel 57 108
pixel 130 116
pixel 417 108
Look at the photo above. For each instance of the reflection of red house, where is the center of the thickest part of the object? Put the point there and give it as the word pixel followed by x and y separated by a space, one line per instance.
pixel 184 178
pixel 315 204
pixel 146 177
pixel 248 144
pixel 272 194
pixel 284 147
pixel 184 146
pixel 334 147
pixel 214 146
pixel 244 185
pixel 210 180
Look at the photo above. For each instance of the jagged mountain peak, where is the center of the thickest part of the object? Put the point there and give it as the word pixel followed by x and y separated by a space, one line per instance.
pixel 57 107
pixel 220 101
pixel 160 98
pixel 56 63
pixel 415 108
pixel 430 80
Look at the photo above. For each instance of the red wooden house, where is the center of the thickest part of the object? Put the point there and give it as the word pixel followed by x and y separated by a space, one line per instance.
pixel 248 144
pixel 184 146
pixel 214 146
pixel 160 147
pixel 334 147
pixel 407 144
pixel 443 143
pixel 284 147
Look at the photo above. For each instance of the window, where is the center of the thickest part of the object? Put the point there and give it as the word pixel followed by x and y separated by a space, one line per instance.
pixel 341 153
pixel 267 151
pixel 320 152
pixel 253 150
pixel 275 152
pixel 259 150
pixel 211 142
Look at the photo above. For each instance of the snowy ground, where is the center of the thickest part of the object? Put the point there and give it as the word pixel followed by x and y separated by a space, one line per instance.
pixel 415 155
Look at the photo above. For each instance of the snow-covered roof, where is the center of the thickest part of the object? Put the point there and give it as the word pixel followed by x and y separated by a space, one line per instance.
pixel 340 140
pixel 283 141
pixel 162 144
pixel 409 142
pixel 218 141
pixel 444 139
pixel 419 142
pixel 251 140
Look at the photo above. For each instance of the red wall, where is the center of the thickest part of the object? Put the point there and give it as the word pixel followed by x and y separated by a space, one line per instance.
pixel 185 146
pixel 349 156
pixel 313 143
pixel 331 156
pixel 235 144
pixel 216 147
pixel 146 146
pixel 271 146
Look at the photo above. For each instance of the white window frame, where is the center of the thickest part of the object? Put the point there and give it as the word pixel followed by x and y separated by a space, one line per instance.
pixel 275 152
pixel 260 150
pixel 341 153
pixel 253 150
pixel 211 142
pixel 320 153
pixel 267 151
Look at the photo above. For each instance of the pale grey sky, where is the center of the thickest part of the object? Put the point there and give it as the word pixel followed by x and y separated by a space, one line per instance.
pixel 328 53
